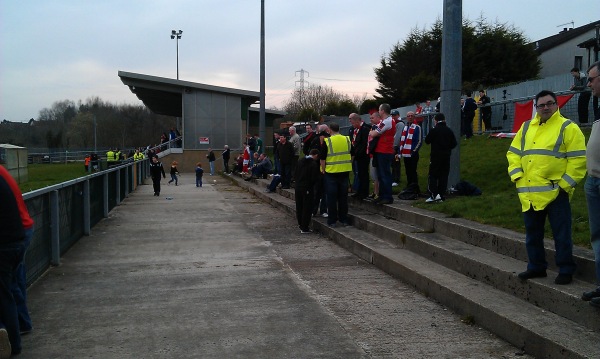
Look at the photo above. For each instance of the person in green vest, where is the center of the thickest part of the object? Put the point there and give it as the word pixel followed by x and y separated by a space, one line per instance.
pixel 336 165
pixel 110 157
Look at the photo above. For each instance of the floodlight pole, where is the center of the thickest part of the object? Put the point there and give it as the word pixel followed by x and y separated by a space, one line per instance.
pixel 177 35
pixel 261 117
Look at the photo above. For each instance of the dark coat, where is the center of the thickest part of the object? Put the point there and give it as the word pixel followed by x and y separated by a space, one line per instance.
pixel 307 174
pixel 285 152
pixel 442 141
pixel 359 149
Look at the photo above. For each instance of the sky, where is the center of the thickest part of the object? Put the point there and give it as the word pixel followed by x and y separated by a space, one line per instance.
pixel 73 49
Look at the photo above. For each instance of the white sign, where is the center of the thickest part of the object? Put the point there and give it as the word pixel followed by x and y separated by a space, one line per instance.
pixel 204 140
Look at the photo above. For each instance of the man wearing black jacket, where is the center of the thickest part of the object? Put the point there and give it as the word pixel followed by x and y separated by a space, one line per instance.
pixel 442 142
pixel 359 138
pixel 156 168
pixel 285 149
pixel 307 174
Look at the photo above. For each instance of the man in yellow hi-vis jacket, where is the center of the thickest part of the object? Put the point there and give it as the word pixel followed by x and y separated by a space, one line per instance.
pixel 546 160
pixel 336 165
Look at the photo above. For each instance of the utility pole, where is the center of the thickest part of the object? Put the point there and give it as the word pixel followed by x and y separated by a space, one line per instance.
pixel 302 82
pixel 451 81
pixel 177 35
pixel 261 118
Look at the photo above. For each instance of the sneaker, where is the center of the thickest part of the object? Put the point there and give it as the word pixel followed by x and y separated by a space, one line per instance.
pixel 5 349
pixel 430 200
pixel 305 231
pixel 395 184
pixel 439 198
pixel 563 278
pixel 529 274
pixel 591 295
pixel 324 215
pixel 595 302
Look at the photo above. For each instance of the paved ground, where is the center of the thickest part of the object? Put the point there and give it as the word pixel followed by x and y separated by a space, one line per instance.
pixel 215 273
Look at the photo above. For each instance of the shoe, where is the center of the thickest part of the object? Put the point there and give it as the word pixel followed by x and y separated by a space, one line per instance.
pixel 26 331
pixel 529 274
pixel 5 349
pixel 324 215
pixel 372 196
pixel 269 191
pixel 395 184
pixel 305 231
pixel 430 200
pixel 591 295
pixel 332 225
pixel 595 302
pixel 385 201
pixel 563 279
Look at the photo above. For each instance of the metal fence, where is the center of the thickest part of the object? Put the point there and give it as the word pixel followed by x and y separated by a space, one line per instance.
pixel 65 212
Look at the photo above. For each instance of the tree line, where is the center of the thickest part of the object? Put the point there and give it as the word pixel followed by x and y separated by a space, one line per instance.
pixel 67 125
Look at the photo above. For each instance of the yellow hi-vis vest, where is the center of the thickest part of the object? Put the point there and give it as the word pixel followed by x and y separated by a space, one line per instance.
pixel 110 156
pixel 138 156
pixel 543 158
pixel 338 154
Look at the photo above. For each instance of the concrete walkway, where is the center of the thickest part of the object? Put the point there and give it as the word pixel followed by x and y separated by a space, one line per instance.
pixel 198 276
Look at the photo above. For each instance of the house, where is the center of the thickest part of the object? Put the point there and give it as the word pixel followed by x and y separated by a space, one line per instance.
pixel 561 52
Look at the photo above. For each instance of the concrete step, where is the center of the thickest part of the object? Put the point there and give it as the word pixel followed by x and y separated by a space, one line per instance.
pixel 473 280
pixel 486 266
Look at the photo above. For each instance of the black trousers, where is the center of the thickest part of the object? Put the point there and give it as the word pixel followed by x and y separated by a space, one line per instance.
pixel 304 204
pixel 410 167
pixel 156 185
pixel 396 170
pixel 363 176
pixel 582 106
pixel 437 181
pixel 226 165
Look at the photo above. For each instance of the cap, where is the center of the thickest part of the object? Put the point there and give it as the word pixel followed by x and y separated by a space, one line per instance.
pixel 395 112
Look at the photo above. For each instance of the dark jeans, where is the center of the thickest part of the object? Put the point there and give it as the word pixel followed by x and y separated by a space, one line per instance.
pixel 336 187
pixel 19 287
pixel 11 254
pixel 468 124
pixel 320 197
pixel 559 216
pixel 384 175
pixel 304 204
pixel 286 174
pixel 410 167
pixel 439 169
pixel 274 183
pixel 396 170
pixel 487 121
pixel 226 166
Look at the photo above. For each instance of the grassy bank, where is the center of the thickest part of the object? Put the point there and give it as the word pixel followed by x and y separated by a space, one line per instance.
pixel 484 164
pixel 43 175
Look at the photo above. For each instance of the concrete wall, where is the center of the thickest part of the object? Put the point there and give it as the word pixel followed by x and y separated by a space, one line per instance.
pixel 213 115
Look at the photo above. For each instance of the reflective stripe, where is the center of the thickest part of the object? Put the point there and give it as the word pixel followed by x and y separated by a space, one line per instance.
pixel 559 140
pixel 339 162
pixel 569 180
pixel 576 153
pixel 524 134
pixel 553 153
pixel 515 171
pixel 515 150
pixel 536 189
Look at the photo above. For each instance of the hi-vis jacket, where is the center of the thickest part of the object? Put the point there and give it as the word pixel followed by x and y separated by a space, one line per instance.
pixel 338 154
pixel 544 158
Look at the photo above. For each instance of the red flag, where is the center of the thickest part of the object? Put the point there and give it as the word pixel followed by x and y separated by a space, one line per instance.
pixel 526 111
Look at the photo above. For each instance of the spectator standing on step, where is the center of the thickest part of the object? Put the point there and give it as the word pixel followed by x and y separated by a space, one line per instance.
pixel 384 154
pixel 546 160
pixel 286 158
pixel 411 140
pixel 442 142
pixel 307 174
pixel 156 169
pixel 297 143
pixel 360 158
pixel 226 155
pixel 336 165
pixel 592 183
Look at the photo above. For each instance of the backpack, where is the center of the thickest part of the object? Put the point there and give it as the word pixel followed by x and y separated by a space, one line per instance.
pixel 411 192
pixel 464 188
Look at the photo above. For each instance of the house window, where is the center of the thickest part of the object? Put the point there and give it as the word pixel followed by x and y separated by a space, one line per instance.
pixel 578 62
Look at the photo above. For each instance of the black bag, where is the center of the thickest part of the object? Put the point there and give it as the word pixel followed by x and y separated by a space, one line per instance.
pixel 411 192
pixel 464 188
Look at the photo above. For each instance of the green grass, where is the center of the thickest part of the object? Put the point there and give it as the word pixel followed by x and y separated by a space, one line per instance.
pixel 43 175
pixel 484 164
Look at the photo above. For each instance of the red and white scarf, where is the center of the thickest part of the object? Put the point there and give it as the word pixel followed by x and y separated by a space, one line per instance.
pixel 406 140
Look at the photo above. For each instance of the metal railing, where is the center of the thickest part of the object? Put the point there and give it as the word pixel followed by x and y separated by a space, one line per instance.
pixel 65 212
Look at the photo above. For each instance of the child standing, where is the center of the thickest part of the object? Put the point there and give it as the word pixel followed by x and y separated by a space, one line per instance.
pixel 199 173
pixel 174 172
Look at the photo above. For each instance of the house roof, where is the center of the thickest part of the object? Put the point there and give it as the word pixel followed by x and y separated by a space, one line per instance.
pixel 164 96
pixel 562 37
